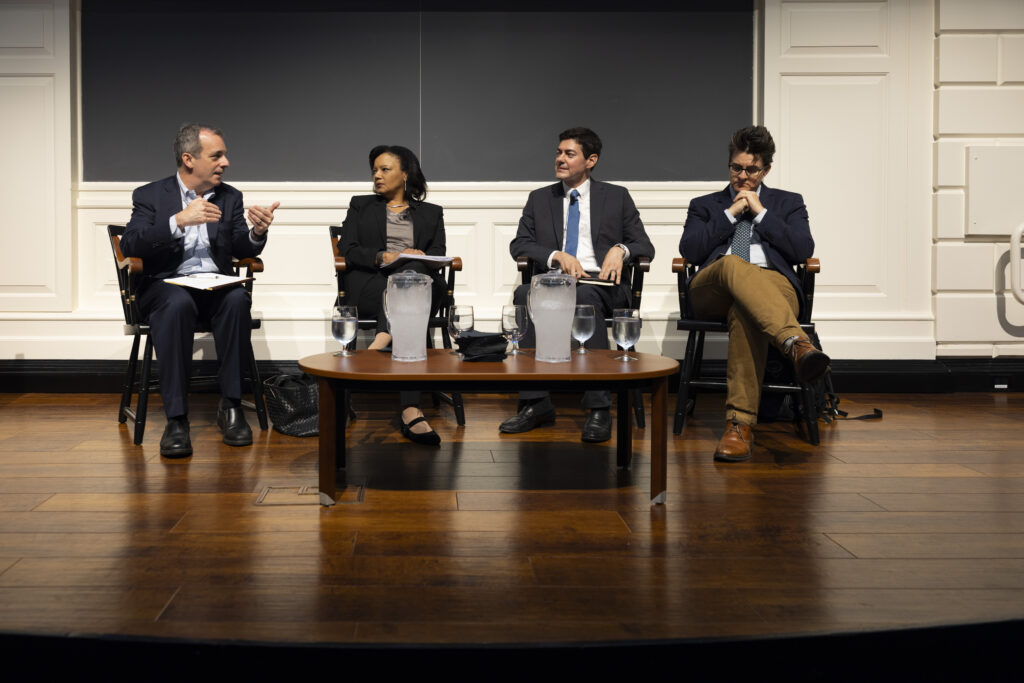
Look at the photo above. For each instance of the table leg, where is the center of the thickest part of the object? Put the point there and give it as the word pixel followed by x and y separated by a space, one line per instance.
pixel 624 437
pixel 329 428
pixel 659 441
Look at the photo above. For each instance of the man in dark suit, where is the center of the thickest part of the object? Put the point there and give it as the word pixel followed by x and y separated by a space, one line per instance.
pixel 586 228
pixel 747 238
pixel 185 224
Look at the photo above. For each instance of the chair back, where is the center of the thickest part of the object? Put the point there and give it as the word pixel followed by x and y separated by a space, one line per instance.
pixel 129 270
pixel 440 319
pixel 632 273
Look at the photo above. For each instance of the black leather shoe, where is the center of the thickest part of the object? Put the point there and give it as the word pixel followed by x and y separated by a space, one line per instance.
pixel 425 438
pixel 529 417
pixel 598 426
pixel 233 426
pixel 175 442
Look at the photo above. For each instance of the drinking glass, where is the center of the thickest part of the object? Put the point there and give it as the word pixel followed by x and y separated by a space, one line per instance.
pixel 460 321
pixel 626 330
pixel 515 320
pixel 583 325
pixel 344 326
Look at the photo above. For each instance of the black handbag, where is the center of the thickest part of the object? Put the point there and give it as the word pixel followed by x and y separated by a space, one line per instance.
pixel 292 402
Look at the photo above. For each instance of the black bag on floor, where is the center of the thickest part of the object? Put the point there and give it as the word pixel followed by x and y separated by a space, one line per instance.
pixel 292 403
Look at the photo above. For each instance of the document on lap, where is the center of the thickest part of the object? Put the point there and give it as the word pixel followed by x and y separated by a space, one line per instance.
pixel 207 281
pixel 404 258
pixel 595 281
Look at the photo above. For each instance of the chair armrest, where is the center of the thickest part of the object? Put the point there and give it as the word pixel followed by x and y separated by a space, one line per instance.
pixel 642 263
pixel 253 265
pixel 522 264
pixel 339 264
pixel 813 265
pixel 679 264
pixel 456 263
pixel 132 263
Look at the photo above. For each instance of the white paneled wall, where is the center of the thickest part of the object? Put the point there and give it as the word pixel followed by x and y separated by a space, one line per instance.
pixel 979 97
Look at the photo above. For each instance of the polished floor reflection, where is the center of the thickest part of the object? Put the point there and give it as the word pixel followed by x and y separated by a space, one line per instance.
pixel 917 519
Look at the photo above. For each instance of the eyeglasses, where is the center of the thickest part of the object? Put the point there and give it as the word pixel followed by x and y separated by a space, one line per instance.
pixel 751 170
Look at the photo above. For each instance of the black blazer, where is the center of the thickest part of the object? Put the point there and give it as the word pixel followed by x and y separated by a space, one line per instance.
pixel 148 235
pixel 364 234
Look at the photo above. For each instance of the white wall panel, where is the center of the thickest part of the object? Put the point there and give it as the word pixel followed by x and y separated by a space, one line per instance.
pixel 950 214
pixel 981 111
pixel 968 58
pixel 1012 59
pixel 823 28
pixel 981 15
pixel 989 168
pixel 982 318
pixel 964 267
pixel 35 136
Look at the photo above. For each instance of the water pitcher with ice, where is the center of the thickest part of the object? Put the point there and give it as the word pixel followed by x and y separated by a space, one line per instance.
pixel 552 302
pixel 407 306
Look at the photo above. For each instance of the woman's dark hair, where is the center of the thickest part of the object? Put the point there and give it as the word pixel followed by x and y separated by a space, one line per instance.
pixel 415 182
pixel 753 140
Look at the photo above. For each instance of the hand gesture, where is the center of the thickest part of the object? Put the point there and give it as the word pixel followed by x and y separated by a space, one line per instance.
pixel 197 212
pixel 261 218
pixel 569 264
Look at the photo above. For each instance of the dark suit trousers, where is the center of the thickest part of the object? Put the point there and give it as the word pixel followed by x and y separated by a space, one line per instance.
pixel 173 312
pixel 604 300
pixel 369 303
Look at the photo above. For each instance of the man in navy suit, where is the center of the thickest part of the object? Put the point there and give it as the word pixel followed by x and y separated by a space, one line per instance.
pixel 586 228
pixel 747 238
pixel 193 223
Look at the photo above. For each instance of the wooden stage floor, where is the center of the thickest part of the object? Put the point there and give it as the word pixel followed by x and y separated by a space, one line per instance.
pixel 914 520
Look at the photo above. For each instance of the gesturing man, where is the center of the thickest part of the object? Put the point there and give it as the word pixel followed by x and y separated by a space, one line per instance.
pixel 192 223
pixel 746 239
pixel 586 228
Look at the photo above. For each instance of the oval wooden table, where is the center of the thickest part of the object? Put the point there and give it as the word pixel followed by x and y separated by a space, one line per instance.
pixel 441 371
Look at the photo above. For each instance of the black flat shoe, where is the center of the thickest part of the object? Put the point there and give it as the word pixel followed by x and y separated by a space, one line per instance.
pixel 175 442
pixel 425 439
pixel 233 426
pixel 598 426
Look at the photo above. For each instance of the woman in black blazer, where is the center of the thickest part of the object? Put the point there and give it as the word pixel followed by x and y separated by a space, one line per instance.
pixel 392 221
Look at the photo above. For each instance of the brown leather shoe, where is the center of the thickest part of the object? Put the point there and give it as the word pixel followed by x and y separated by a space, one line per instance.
pixel 737 443
pixel 808 361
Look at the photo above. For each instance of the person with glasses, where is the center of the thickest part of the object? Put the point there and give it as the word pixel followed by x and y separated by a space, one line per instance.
pixel 746 240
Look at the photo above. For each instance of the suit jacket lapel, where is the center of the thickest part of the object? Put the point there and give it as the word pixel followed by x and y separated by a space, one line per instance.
pixel 213 228
pixel 597 197
pixel 380 222
pixel 557 219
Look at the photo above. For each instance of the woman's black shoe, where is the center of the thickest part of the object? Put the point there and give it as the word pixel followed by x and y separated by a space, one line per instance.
pixel 425 439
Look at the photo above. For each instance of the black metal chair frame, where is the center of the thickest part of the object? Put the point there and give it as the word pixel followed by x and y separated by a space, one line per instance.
pixel 129 272
pixel 691 381
pixel 634 275
pixel 438 321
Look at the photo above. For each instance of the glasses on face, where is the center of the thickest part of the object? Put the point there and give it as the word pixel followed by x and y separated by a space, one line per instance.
pixel 736 169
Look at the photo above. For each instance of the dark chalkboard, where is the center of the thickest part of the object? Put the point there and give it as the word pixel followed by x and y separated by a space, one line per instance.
pixel 303 94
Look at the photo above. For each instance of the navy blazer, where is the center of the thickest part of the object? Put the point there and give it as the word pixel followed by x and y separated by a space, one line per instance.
pixel 365 233
pixel 613 220
pixel 148 233
pixel 784 232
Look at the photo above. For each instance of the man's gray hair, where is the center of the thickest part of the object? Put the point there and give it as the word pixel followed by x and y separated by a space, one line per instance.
pixel 187 140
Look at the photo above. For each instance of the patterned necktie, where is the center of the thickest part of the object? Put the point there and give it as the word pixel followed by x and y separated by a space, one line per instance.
pixel 741 238
pixel 572 228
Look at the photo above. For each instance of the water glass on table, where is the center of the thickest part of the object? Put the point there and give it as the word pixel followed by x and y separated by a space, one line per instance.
pixel 515 320
pixel 626 330
pixel 460 321
pixel 344 327
pixel 583 324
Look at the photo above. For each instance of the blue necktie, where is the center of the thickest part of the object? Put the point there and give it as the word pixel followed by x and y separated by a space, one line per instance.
pixel 741 238
pixel 572 227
